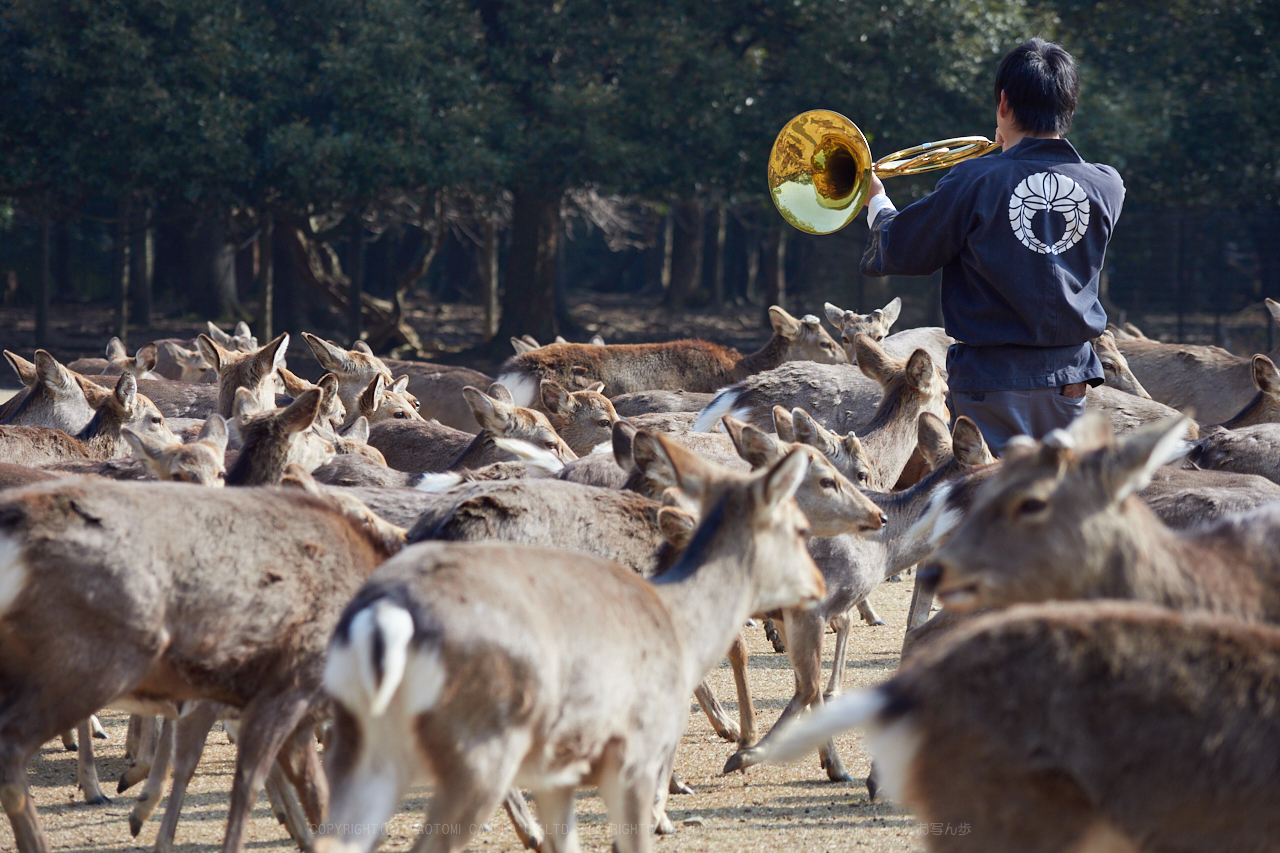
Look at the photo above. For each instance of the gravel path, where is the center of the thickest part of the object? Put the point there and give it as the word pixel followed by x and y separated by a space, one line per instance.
pixel 765 809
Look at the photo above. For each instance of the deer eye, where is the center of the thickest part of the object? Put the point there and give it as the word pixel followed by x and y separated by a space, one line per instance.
pixel 1030 506
pixel 399 415
pixel 862 477
pixel 827 483
pixel 603 423
pixel 551 445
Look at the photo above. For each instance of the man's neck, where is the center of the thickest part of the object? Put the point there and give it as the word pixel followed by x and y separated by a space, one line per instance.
pixel 1012 138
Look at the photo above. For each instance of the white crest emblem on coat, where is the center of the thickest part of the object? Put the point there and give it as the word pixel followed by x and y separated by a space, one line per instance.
pixel 1045 191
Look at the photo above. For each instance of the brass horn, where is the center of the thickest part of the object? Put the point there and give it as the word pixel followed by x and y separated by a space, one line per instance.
pixel 820 168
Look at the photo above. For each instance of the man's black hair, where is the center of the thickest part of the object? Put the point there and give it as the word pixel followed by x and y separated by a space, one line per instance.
pixel 1042 84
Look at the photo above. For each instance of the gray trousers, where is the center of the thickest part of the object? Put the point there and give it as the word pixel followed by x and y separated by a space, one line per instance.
pixel 1001 415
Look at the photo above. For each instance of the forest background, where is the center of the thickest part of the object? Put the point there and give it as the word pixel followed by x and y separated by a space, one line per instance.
pixel 337 165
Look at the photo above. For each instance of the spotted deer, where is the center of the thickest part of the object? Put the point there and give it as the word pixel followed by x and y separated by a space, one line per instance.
pixel 1136 728
pixel 562 716
pixel 690 365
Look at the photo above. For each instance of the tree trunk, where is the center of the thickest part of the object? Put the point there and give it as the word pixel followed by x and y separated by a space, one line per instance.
pixel 213 258
pixel 355 312
pixel 46 282
pixel 124 247
pixel 529 300
pixel 717 277
pixel 142 274
pixel 266 279
pixel 488 264
pixel 775 266
pixel 688 232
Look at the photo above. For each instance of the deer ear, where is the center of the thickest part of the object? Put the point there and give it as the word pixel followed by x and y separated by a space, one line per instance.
pixel 873 360
pixel 218 336
pixel 968 445
pixel 597 341
pixel 498 391
pixel 662 460
pixel 146 357
pixel 677 525
pixel 491 414
pixel 401 385
pixel 783 480
pixel 783 323
pixel 810 432
pixel 371 397
pixel 932 439
pixel 623 433
pixel 126 393
pixel 891 311
pixel 26 370
pixel 783 425
pixel 920 372
pixel 333 359
pixel 116 350
pixel 358 431
pixel 213 352
pixel 293 384
pixel 1273 308
pixel 214 432
pixel 297 477
pixel 757 447
pixel 302 412
pixel 835 316
pixel 272 355
pixel 245 405
pixel 1129 465
pixel 555 398
pixel 328 384
pixel 242 330
pixel 144 446
pixel 520 346
pixel 531 341
pixel 597 387
pixel 1265 376
pixel 362 347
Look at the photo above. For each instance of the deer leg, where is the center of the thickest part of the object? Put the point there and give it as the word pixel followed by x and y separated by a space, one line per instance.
pixel 285 806
pixel 132 736
pixel 87 771
pixel 144 752
pixel 746 708
pixel 68 741
pixel 773 631
pixel 153 790
pixel 868 614
pixel 720 721
pixel 477 782
pixel 531 834
pixel 95 725
pixel 190 733
pixel 15 798
pixel 835 685
pixel 265 724
pixel 301 766
pixel 676 785
pixel 555 808
pixel 921 604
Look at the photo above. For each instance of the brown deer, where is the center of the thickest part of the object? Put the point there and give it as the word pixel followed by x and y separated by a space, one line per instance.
pixel 650 402
pixel 53 396
pixel 96 588
pixel 1115 368
pixel 1206 382
pixel 437 388
pixel 428 446
pixel 853 567
pixel 1247 450
pixel 274 439
pixel 560 717
pixel 691 365
pixel 332 410
pixel 202 462
pixel 101 439
pixel 381 401
pixel 584 419
pixel 141 365
pixel 1083 726
pixel 1264 408
pixel 252 370
pixel 1068 507
pixel 190 365
pixel 874 325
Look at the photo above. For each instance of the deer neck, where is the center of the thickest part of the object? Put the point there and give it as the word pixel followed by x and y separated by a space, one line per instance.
pixel 481 451
pixel 706 593
pixel 769 356
pixel 890 436
pixel 904 509
pixel 102 438
pixel 1149 562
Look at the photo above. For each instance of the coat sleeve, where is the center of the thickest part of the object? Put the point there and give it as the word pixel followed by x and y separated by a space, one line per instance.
pixel 925 236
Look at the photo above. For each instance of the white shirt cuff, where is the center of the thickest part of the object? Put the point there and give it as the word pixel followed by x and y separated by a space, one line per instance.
pixel 875 205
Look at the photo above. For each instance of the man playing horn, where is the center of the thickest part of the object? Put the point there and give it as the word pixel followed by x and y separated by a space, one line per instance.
pixel 1020 238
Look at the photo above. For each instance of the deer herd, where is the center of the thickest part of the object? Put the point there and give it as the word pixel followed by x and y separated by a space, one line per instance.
pixel 419 573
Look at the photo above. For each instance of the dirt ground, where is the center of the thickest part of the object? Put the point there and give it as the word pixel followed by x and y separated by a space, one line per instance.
pixel 765 809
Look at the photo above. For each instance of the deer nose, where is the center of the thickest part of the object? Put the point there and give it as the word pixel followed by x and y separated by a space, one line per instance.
pixel 929 577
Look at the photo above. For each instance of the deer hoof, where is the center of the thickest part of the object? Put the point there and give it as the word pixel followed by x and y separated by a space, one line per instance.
pixel 100 800
pixel 135 825
pixel 678 786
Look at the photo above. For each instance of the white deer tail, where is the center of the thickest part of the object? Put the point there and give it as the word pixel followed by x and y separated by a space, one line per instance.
pixel 365 672
pixel 798 738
